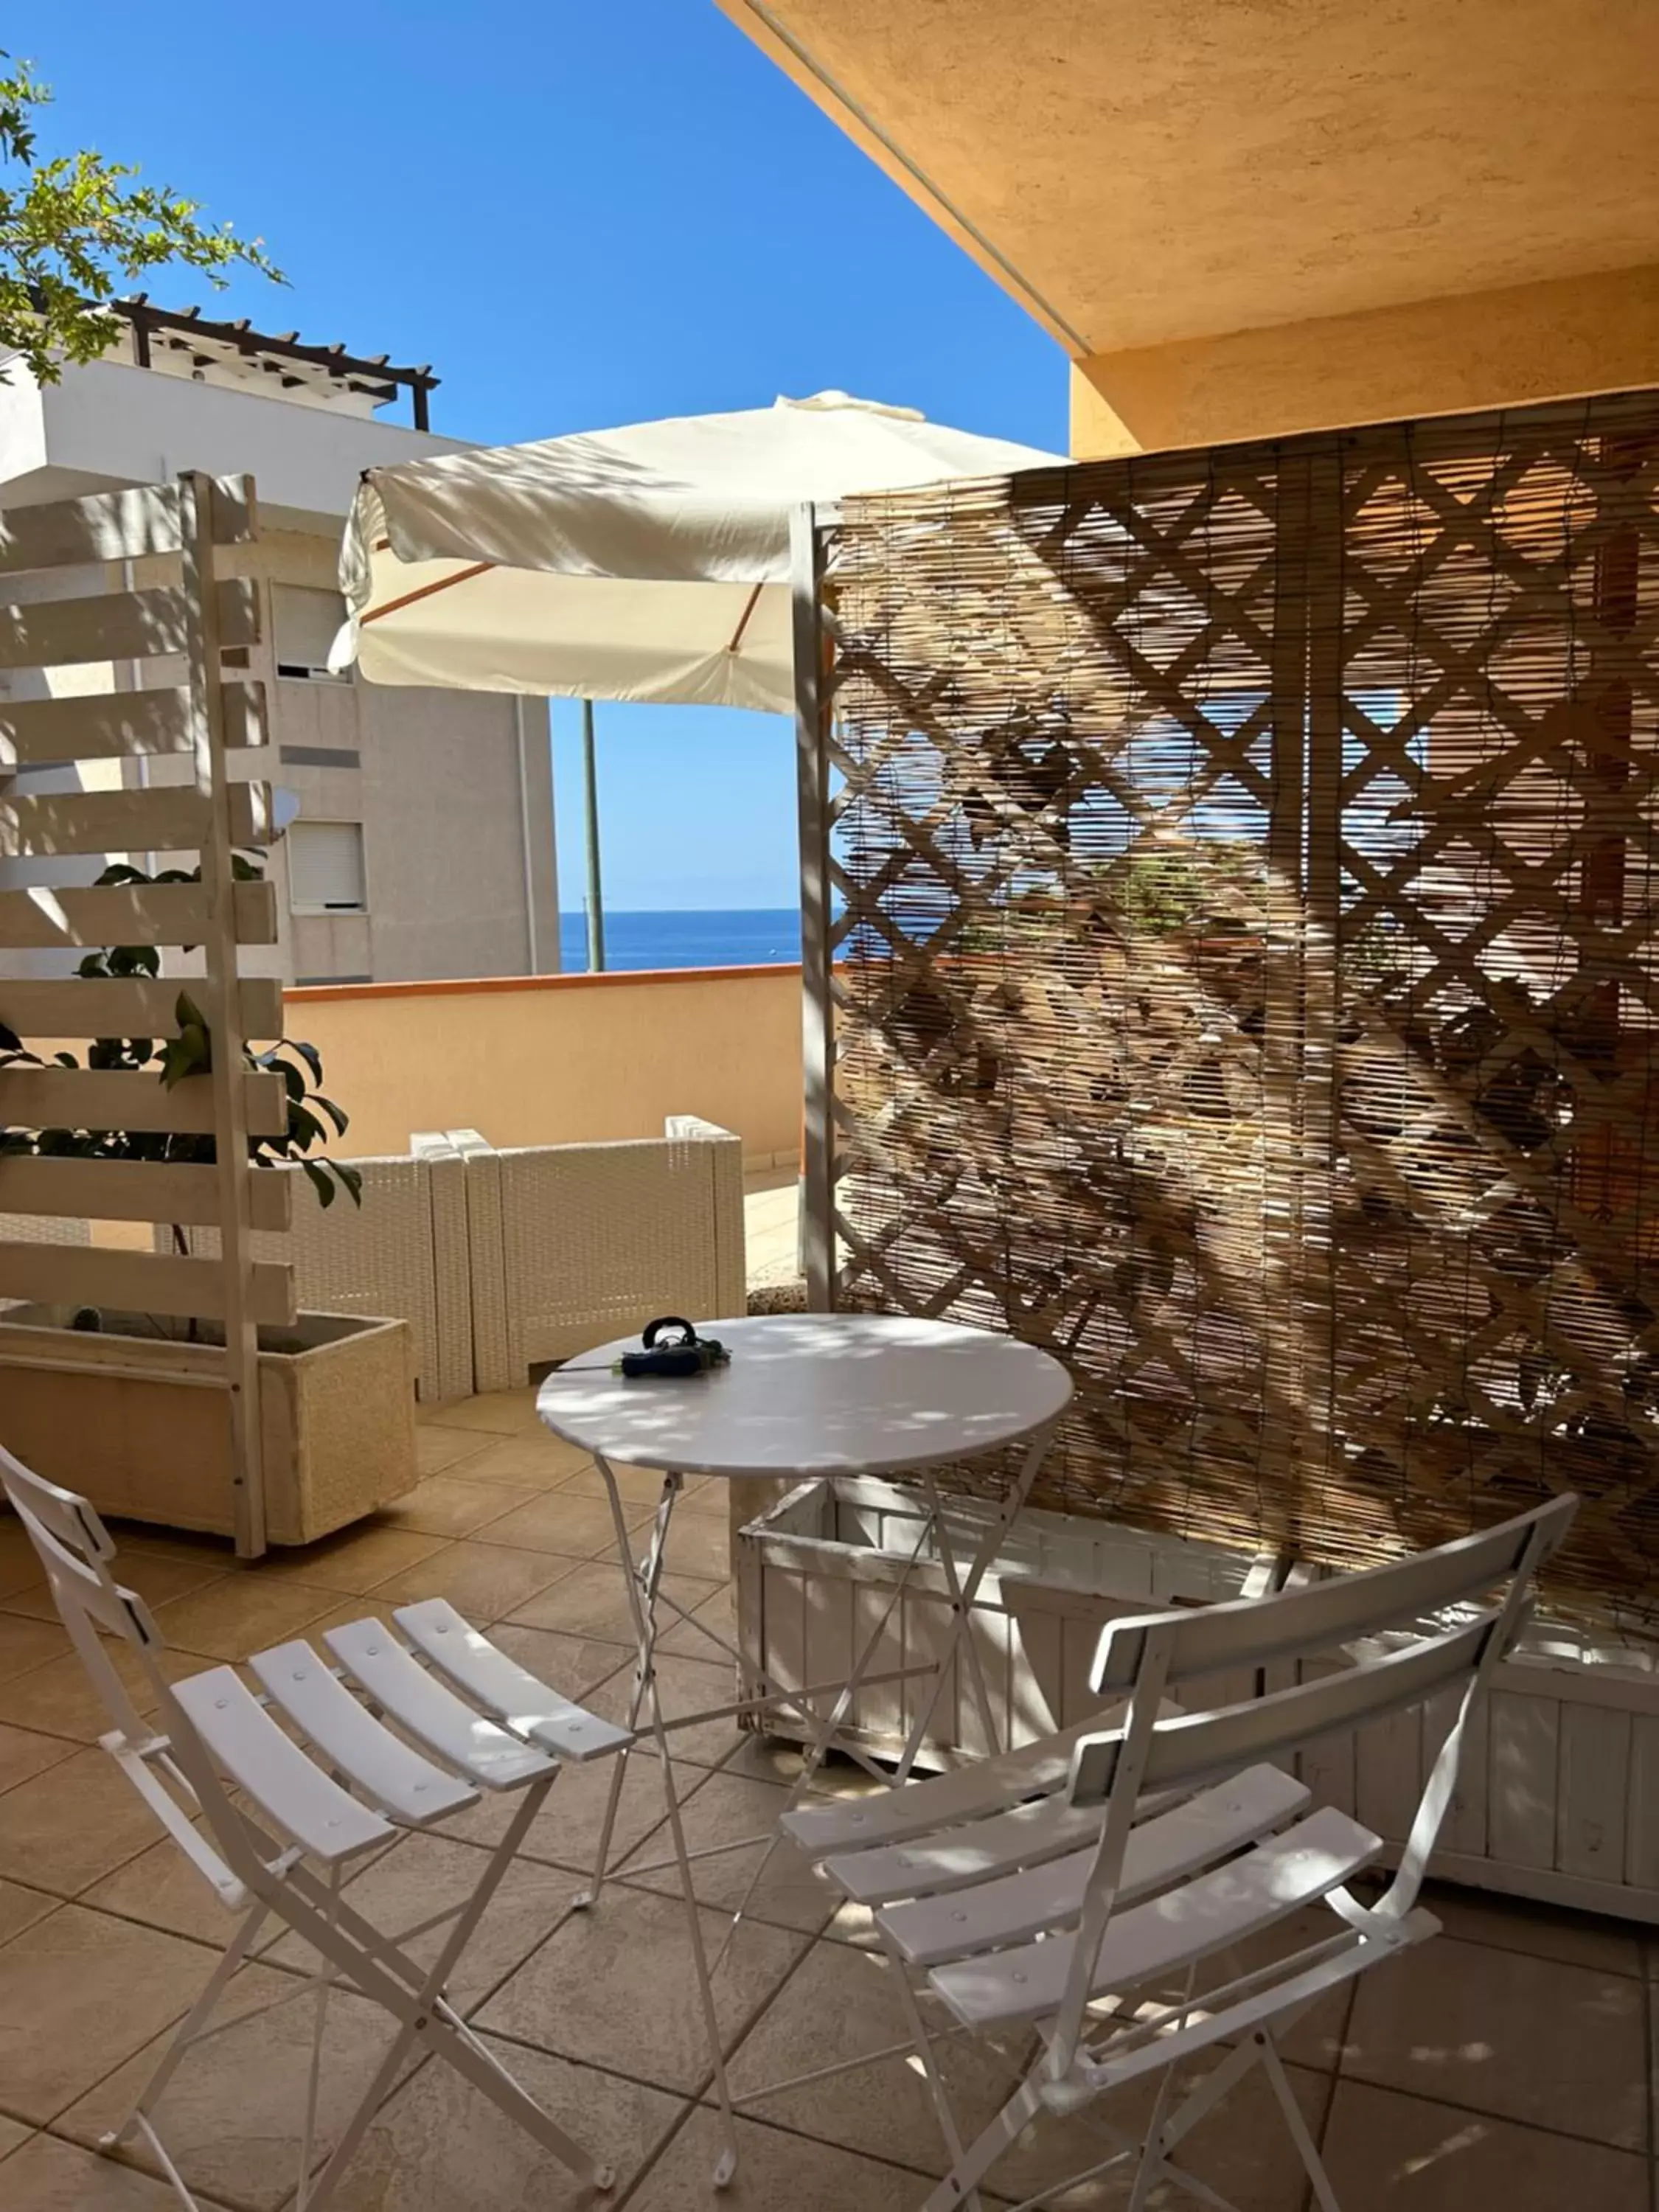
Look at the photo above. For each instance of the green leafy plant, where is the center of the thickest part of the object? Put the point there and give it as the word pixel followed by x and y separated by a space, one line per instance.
pixel 74 228
pixel 312 1114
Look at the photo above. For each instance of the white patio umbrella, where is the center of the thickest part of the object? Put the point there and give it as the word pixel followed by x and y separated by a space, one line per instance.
pixel 651 563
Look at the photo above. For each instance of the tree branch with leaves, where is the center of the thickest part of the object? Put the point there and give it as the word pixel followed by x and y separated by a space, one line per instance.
pixel 75 227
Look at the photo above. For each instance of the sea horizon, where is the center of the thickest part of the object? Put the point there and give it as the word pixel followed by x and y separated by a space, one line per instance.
pixel 685 937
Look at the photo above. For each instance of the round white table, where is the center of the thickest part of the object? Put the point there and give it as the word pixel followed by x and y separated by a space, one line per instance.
pixel 805 1395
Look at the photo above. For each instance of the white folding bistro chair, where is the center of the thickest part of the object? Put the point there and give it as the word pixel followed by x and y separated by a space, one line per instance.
pixel 279 1829
pixel 1073 1892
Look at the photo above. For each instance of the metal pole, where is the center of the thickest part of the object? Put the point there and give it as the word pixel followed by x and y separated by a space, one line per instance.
pixel 591 798
pixel 811 784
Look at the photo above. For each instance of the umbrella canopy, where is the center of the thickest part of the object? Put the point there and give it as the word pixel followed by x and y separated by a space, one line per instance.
pixel 651 563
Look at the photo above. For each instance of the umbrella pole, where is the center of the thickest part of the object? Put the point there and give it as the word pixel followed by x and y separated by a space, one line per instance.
pixel 591 801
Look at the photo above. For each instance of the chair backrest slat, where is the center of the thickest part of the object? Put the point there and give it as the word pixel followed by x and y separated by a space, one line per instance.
pixel 75 1548
pixel 1254 1631
pixel 1189 1748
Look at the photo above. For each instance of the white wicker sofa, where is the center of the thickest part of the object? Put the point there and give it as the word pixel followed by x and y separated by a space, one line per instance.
pixel 571 1244
pixel 499 1259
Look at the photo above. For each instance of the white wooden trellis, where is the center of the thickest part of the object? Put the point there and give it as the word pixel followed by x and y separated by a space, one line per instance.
pixel 202 718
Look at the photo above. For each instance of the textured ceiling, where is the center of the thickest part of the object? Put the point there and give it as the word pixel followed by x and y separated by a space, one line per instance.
pixel 1145 170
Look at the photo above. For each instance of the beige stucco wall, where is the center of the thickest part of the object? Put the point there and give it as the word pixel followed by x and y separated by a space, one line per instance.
pixel 1530 342
pixel 557 1059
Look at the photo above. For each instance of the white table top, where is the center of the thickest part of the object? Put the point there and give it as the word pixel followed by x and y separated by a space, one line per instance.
pixel 813 1393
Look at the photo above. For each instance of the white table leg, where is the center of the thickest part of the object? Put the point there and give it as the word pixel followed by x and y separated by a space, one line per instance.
pixel 964 1592
pixel 641 1586
pixel 648 1575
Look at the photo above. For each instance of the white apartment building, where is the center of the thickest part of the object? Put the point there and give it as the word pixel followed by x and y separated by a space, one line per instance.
pixel 423 845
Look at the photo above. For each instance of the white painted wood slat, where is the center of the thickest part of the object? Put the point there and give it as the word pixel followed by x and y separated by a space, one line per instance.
pixel 130 913
pixel 115 1098
pixel 504 1688
pixel 135 1190
pixel 1594 1789
pixel 139 1282
pixel 79 1006
pixel 294 1793
pixel 384 1767
pixel 373 1658
pixel 1521 1779
pixel 165 818
pixel 113 725
pixel 119 625
pixel 117 525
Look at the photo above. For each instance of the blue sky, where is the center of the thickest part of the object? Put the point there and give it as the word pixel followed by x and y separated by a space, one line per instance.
pixel 581 216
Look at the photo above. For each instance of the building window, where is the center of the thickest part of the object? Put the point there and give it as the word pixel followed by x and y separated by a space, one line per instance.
pixel 326 868
pixel 305 623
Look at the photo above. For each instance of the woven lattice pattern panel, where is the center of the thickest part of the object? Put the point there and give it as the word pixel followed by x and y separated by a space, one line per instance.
pixel 1245 968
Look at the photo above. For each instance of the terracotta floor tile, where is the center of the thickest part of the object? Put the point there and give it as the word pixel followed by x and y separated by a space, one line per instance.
pixel 24 1752
pixel 12 2134
pixel 156 1577
pixel 614 1988
pixel 717 1611
pixel 438 1449
pixel 700 1544
pixel 232 2113
pixel 25 1644
pixel 1242 2149
pixel 47 2175
pixel 595 1602
pixel 423 1874
pixel 354 1561
pixel 726 1808
pixel 1524 2038
pixel 498 1413
pixel 441 1506
pixel 1578 1939
pixel 557 1521
pixel 79 1993
pixel 58 1701
pixel 1386 2153
pixel 537 1461
pixel 573 1665
pixel 640 1486
pixel 21 1907
pixel 161 1887
pixel 62 1829
pixel 566 1832
pixel 484 1581
pixel 842 2003
pixel 439 2145
pixel 775 2170
pixel 241 1613
pixel 685 1686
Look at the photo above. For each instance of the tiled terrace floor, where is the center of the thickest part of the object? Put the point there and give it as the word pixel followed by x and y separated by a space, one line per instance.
pixel 1505 2066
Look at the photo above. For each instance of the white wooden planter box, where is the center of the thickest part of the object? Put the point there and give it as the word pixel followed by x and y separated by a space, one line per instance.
pixel 1559 1795
pixel 133 1421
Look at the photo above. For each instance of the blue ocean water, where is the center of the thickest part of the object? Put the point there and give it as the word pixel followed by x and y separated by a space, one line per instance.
pixel 737 938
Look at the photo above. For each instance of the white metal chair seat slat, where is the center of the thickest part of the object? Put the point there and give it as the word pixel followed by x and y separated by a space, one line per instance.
pixel 1213 1913
pixel 290 1789
pixel 1015 1907
pixel 958 1856
pixel 381 1764
pixel 968 1793
pixel 504 1688
pixel 400 1686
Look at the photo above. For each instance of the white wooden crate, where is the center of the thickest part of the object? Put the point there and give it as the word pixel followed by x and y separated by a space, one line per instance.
pixel 1560 1793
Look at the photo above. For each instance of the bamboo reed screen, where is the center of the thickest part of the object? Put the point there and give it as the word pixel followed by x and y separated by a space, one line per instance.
pixel 1245 969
